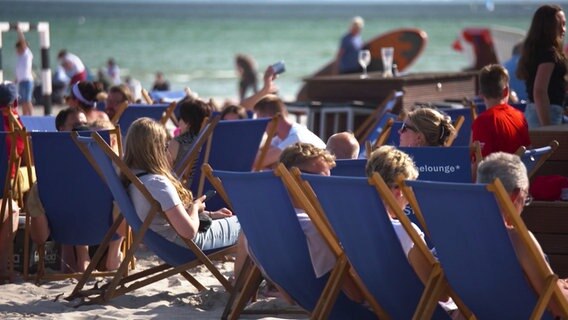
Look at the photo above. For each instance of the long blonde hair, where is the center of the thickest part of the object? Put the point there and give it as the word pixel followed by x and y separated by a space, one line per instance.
pixel 145 149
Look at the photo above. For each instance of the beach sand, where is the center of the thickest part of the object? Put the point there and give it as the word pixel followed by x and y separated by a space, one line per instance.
pixel 172 298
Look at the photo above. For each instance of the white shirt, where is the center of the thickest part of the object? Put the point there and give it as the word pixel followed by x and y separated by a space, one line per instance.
pixel 77 65
pixel 403 237
pixel 322 258
pixel 298 133
pixel 24 66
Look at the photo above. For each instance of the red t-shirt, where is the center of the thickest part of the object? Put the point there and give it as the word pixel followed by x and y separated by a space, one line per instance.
pixel 19 140
pixel 500 128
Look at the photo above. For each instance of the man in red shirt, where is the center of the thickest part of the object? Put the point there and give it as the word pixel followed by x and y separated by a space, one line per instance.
pixel 501 127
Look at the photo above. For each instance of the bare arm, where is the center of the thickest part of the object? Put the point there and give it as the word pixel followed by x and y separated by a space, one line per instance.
pixel 540 92
pixel 530 269
pixel 271 157
pixel 186 222
pixel 22 38
pixel 269 87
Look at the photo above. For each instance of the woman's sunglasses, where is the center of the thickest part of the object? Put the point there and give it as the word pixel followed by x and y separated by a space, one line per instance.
pixel 406 126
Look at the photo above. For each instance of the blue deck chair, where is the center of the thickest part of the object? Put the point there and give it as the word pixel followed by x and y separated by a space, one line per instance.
pixel 372 246
pixel 37 123
pixel 134 112
pixel 535 158
pixel 167 96
pixel 277 241
pixel 177 259
pixel 233 146
pixel 476 252
pixel 77 203
pixel 349 167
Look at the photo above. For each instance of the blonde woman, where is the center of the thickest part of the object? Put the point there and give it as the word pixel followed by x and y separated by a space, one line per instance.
pixel 426 127
pixel 146 154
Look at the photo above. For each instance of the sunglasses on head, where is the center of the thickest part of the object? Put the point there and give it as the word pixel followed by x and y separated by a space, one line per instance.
pixel 405 126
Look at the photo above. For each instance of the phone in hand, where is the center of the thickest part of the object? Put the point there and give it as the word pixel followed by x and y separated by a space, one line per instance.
pixel 209 194
pixel 279 67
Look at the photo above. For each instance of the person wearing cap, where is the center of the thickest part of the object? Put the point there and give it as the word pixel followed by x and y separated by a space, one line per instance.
pixel 24 76
pixel 83 96
pixel 9 223
pixel 347 60
pixel 73 66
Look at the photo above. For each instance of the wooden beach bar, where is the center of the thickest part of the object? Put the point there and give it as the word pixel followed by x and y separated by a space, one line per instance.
pixel 359 96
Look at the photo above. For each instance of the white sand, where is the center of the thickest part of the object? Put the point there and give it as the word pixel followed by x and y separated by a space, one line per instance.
pixel 172 298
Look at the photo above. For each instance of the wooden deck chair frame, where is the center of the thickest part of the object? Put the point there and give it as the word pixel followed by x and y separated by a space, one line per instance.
pixel 458 123
pixel 363 131
pixel 304 194
pixel 31 177
pixel 184 170
pixel 433 288
pixel 10 192
pixel 383 136
pixel 41 274
pixel 522 150
pixel 250 277
pixel 123 283
pixel 551 290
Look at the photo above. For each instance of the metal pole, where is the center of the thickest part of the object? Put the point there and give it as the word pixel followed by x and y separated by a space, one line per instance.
pixel 43 29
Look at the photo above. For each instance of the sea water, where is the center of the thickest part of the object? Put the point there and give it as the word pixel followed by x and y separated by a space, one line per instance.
pixel 194 44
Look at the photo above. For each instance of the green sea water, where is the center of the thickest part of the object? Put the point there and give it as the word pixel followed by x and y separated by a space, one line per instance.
pixel 194 44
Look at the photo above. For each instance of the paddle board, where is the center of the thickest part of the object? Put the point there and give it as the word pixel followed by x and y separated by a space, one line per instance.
pixel 408 44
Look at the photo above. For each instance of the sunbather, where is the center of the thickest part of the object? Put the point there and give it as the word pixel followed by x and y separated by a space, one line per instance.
pixel 343 145
pixel 146 154
pixel 83 96
pixel 192 113
pixel 426 127
pixel 287 132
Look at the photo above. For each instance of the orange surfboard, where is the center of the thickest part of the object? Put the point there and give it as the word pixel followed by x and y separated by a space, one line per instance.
pixel 408 44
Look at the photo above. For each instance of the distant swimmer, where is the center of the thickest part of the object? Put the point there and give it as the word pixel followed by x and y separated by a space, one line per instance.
pixel 246 68
pixel 347 60
pixel 73 66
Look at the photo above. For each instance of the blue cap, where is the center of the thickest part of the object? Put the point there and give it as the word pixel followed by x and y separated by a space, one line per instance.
pixel 8 93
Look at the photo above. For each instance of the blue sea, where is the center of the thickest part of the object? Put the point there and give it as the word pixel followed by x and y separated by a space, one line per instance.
pixel 194 44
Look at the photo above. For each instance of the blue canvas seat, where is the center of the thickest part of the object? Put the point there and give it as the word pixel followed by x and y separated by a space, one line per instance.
pixel 77 203
pixel 38 123
pixel 466 224
pixel 277 241
pixel 178 259
pixel 233 146
pixel 158 112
